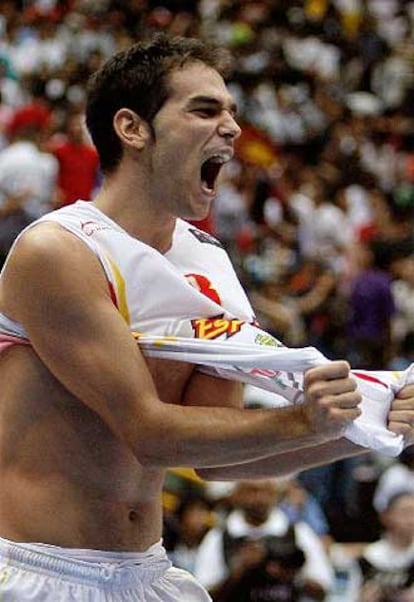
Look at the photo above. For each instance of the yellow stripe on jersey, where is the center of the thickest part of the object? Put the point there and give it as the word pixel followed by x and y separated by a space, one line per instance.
pixel 120 290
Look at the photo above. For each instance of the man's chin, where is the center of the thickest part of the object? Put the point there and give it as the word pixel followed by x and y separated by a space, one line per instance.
pixel 198 214
pixel 197 218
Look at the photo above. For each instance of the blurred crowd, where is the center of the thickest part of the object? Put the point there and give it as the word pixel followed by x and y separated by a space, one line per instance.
pixel 317 213
pixel 275 539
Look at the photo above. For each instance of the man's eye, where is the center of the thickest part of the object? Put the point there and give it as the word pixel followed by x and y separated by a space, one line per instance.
pixel 205 112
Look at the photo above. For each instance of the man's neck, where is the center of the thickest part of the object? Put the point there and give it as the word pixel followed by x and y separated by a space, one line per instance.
pixel 137 216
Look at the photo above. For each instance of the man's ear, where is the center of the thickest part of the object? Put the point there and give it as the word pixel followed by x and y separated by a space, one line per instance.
pixel 131 129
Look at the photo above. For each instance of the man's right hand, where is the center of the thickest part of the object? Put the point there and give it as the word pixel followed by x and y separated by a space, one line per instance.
pixel 331 399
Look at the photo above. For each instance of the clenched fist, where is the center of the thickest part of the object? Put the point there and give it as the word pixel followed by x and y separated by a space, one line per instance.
pixel 331 399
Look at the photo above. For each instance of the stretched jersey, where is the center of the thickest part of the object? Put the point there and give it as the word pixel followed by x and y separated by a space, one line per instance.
pixel 188 305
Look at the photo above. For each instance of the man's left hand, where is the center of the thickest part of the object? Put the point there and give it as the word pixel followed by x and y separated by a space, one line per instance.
pixel 401 416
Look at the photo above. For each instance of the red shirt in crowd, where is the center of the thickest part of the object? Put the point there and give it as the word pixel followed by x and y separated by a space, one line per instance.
pixel 78 170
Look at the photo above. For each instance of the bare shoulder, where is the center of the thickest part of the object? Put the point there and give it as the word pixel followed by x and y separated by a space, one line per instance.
pixel 47 261
pixel 44 246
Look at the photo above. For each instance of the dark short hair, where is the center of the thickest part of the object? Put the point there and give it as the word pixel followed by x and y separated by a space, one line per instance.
pixel 137 78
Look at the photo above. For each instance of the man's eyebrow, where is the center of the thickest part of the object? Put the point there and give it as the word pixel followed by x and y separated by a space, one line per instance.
pixel 210 100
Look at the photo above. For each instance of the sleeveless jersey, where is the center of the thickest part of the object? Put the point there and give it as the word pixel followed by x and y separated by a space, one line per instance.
pixel 188 305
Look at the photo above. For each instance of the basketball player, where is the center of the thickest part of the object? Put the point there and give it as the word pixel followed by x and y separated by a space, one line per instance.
pixel 88 425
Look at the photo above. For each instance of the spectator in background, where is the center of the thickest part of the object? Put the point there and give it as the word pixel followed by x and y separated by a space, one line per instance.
pixel 371 307
pixel 185 529
pixel 77 159
pixel 334 487
pixel 397 477
pixel 27 178
pixel 250 537
pixel 328 241
pixel 10 88
pixel 36 110
pixel 403 352
pixel 277 313
pixel 6 114
pixel 387 565
pixel 273 579
pixel 300 505
pixel 403 296
pixel 312 287
pixel 231 209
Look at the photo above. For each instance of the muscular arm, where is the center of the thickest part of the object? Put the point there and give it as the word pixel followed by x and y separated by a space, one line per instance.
pixel 285 463
pixel 56 288
pixel 208 390
pixel 400 421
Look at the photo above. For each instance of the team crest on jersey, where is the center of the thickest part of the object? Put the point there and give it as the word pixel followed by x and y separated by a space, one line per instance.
pixel 203 284
pixel 90 227
pixel 212 328
pixel 205 238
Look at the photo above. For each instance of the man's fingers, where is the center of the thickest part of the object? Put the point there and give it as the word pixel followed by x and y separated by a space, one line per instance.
pixel 400 428
pixel 406 392
pixel 335 387
pixel 331 371
pixel 401 404
pixel 401 422
pixel 401 417
pixel 348 400
pixel 345 415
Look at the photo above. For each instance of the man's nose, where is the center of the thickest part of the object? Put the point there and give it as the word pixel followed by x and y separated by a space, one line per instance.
pixel 228 127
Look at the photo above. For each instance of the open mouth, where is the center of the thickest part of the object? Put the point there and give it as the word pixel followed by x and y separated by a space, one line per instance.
pixel 210 170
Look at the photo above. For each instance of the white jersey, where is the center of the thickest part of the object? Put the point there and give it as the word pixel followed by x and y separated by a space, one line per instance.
pixel 188 305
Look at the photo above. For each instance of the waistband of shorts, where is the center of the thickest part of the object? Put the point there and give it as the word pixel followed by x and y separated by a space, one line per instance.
pixel 101 569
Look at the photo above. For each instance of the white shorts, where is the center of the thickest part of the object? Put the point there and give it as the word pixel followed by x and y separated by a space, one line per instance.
pixel 44 573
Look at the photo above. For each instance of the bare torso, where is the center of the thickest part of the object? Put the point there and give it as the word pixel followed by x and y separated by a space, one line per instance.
pixel 66 479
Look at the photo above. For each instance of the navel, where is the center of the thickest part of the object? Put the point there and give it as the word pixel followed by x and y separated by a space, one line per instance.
pixel 133 516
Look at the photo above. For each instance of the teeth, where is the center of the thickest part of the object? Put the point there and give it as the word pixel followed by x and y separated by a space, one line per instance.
pixel 222 157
